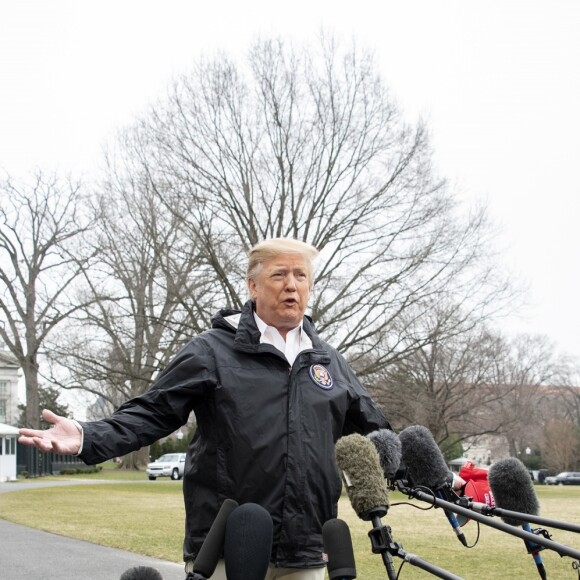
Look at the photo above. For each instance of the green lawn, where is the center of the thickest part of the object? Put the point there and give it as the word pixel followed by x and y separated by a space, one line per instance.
pixel 109 470
pixel 148 519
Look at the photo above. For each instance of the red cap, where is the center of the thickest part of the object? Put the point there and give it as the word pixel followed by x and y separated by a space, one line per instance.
pixel 468 472
pixel 477 487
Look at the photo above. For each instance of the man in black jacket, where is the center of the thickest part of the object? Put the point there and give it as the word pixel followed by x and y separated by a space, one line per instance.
pixel 270 399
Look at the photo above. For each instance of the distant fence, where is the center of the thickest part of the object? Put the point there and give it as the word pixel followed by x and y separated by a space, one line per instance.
pixel 34 463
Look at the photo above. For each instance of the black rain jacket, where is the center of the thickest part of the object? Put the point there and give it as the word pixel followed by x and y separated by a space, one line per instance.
pixel 265 431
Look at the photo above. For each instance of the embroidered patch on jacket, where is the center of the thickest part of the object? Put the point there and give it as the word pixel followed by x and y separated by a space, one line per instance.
pixel 321 376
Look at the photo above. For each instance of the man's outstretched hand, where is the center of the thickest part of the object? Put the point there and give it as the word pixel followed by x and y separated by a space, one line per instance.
pixel 63 437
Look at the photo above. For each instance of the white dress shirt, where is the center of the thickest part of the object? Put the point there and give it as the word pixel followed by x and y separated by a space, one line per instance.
pixel 296 339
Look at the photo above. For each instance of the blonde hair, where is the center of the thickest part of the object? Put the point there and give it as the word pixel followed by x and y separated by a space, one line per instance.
pixel 268 249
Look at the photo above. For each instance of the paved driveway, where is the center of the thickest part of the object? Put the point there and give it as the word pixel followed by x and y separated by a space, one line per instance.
pixel 26 553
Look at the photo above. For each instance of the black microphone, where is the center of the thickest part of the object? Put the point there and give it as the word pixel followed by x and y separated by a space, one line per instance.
pixel 141 573
pixel 388 446
pixel 211 549
pixel 478 516
pixel 338 548
pixel 513 490
pixel 426 467
pixel 248 543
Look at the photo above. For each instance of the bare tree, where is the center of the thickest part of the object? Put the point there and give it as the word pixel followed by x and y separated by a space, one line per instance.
pixel 561 445
pixel 40 223
pixel 309 143
pixel 305 143
pixel 140 291
pixel 526 366
pixel 468 382
pixel 445 384
pixel 564 401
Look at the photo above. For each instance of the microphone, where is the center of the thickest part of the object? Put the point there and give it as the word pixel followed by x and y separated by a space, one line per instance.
pixel 248 543
pixel 141 573
pixel 388 446
pixel 478 496
pixel 207 558
pixel 338 548
pixel 480 515
pixel 359 461
pixel 426 467
pixel 513 490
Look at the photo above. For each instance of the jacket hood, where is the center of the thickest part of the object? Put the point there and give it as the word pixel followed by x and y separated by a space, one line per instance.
pixel 243 323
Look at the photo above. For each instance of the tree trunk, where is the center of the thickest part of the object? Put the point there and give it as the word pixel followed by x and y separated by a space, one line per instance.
pixel 136 460
pixel 30 371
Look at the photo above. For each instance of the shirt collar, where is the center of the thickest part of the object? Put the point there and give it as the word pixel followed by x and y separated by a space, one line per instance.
pixel 262 326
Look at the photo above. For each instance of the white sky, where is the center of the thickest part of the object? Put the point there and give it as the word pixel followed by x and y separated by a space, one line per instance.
pixel 498 81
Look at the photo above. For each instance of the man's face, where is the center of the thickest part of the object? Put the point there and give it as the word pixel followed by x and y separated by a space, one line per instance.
pixel 281 291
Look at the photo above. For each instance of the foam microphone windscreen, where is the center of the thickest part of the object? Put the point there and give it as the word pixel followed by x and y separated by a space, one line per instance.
pixel 213 545
pixel 248 543
pixel 512 488
pixel 424 461
pixel 141 573
pixel 338 548
pixel 388 446
pixel 359 461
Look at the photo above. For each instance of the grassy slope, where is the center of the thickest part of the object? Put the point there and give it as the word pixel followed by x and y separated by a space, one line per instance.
pixel 148 519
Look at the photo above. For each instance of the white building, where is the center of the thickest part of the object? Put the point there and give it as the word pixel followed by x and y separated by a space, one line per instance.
pixel 485 449
pixel 8 437
pixel 9 370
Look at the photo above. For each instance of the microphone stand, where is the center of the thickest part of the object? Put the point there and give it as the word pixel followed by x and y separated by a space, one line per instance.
pixel 536 537
pixel 382 543
pixel 487 510
pixel 534 549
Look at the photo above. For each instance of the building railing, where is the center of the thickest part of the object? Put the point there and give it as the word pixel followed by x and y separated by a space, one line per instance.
pixel 30 462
